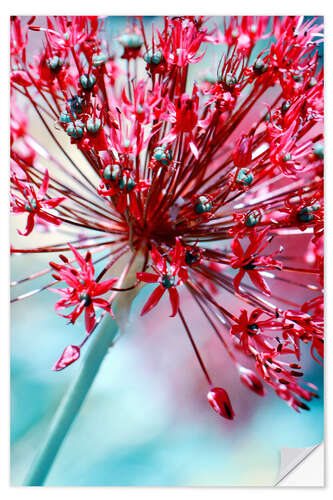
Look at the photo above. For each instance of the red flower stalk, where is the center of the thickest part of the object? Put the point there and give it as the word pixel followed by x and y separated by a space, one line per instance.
pixel 198 179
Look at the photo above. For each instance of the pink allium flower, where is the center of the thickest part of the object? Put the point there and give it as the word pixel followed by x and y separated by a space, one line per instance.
pixel 213 186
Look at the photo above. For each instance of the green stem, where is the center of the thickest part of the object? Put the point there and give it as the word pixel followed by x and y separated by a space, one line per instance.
pixel 72 401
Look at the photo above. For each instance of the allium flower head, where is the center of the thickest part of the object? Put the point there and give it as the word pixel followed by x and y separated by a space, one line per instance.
pixel 213 184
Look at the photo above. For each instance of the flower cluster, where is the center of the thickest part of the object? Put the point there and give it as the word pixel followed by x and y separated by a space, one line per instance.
pixel 214 182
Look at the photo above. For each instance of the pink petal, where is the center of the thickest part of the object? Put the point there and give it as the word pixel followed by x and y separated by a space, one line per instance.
pixel 78 257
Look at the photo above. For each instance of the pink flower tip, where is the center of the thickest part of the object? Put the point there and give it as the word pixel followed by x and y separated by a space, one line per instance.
pixel 70 354
pixel 219 400
pixel 251 380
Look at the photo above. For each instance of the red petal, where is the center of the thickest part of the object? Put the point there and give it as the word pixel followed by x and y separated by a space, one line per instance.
pixel 236 247
pixel 99 141
pixel 153 299
pixel 45 185
pixel 178 254
pixel 147 277
pixel 78 257
pixel 259 281
pixel 237 279
pixel 54 202
pixel 30 225
pixel 174 300
pixel 158 260
pixel 104 287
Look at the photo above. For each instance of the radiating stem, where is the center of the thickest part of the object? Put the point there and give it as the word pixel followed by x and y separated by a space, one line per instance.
pixel 72 401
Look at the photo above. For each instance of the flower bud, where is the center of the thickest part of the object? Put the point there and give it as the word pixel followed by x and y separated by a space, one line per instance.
pixel 111 172
pixel 76 129
pixel 259 67
pixel 318 150
pixel 99 59
pixel 202 205
pixel 253 218
pixel 93 125
pixel 244 177
pixel 220 402
pixel 87 81
pixel 70 354
pixel 251 380
pixel 306 215
pixel 66 117
pixel 131 40
pixel 54 63
pixel 76 104
pixel 153 57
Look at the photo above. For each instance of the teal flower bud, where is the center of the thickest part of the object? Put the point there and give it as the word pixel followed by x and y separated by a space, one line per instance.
pixel 93 125
pixel 155 57
pixel 131 40
pixel 306 213
pixel 75 129
pixel 54 63
pixel 111 172
pixel 203 205
pixel 318 150
pixel 99 59
pixel 87 81
pixel 244 176
pixel 66 117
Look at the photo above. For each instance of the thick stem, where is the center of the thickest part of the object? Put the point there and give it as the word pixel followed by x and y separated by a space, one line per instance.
pixel 72 401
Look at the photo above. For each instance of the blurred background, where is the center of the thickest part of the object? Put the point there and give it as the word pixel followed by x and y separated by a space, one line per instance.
pixel 146 420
